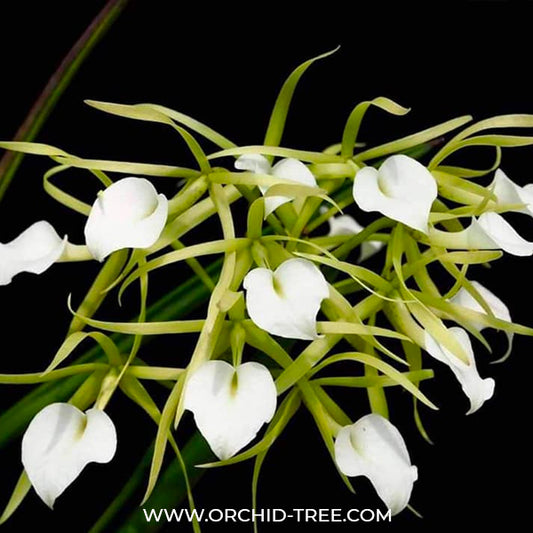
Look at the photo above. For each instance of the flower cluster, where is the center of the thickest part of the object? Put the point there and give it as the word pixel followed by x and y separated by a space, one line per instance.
pixel 298 297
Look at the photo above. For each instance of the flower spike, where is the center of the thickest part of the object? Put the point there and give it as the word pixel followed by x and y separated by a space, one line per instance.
pixel 286 302
pixel 128 214
pixel 34 250
pixel 230 404
pixel 402 189
pixel 60 441
pixel 374 448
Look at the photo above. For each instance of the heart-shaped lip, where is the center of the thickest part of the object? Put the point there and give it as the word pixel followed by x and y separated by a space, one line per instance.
pixel 286 302
pixel 128 214
pixel 60 441
pixel 402 189
pixel 230 404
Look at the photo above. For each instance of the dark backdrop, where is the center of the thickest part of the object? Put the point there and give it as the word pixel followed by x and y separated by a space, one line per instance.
pixel 224 66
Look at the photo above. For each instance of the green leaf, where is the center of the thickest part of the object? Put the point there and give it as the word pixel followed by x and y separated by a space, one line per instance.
pixel 57 85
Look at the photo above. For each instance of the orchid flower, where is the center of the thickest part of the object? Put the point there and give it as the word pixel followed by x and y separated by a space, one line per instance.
pixel 34 250
pixel 402 189
pixel 128 214
pixel 488 232
pixel 285 302
pixel 347 225
pixel 374 448
pixel 230 404
pixel 477 389
pixel 60 441
pixel 507 192
pixel 286 169
pixel 498 308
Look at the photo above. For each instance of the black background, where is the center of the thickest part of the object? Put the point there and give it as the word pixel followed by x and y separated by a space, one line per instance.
pixel 224 66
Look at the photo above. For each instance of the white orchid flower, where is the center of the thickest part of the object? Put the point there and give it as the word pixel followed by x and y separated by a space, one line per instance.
pixel 508 192
pixel 477 389
pixel 402 189
pixel 374 448
pixel 230 404
pixel 286 302
pixel 60 441
pixel 286 169
pixel 34 250
pixel 498 308
pixel 128 214
pixel 488 232
pixel 347 225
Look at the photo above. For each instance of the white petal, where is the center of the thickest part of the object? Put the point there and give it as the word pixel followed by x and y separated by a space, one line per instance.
pixel 344 225
pixel 402 190
pixel 347 225
pixel 478 390
pixel 509 192
pixel 60 441
pixel 230 405
pixel 502 233
pixel 465 299
pixel 291 170
pixel 286 302
pixel 374 448
pixel 34 250
pixel 256 163
pixel 128 214
pixel 498 308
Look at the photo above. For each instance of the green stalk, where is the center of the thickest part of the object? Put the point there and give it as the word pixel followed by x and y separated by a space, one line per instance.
pixel 57 85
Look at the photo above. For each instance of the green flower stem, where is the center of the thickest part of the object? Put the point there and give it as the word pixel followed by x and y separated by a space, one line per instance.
pixel 321 347
pixel 188 196
pixel 379 224
pixel 95 295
